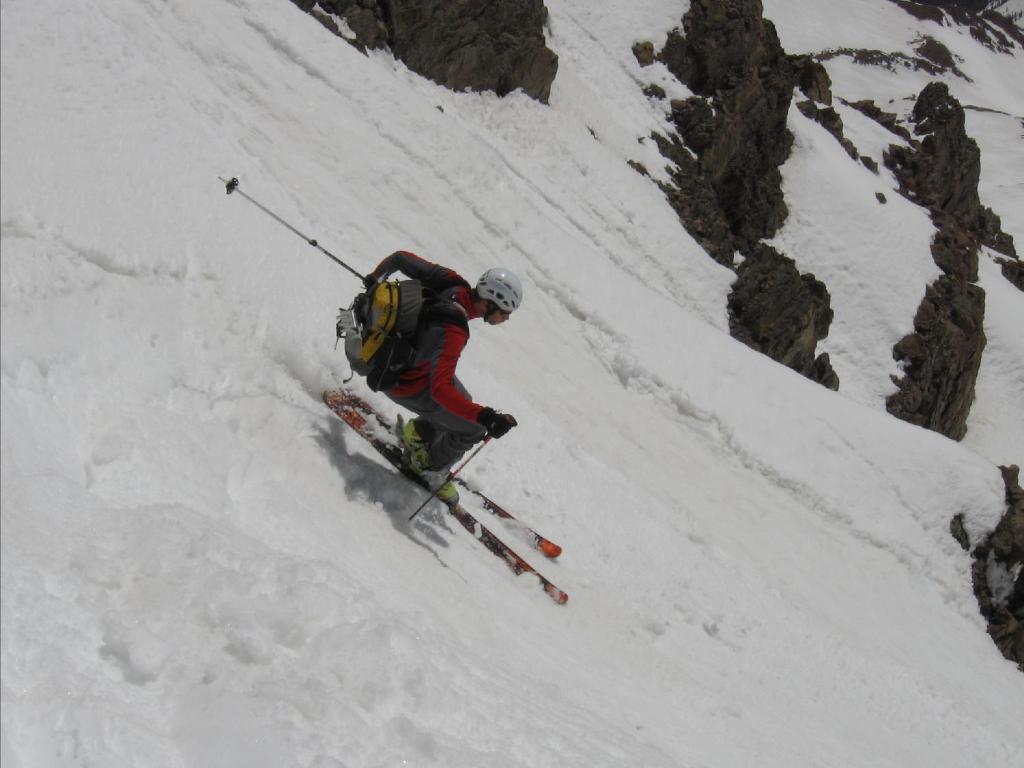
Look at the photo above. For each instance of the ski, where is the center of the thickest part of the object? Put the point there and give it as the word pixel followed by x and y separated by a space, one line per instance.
pixel 542 544
pixel 357 414
pixel 545 546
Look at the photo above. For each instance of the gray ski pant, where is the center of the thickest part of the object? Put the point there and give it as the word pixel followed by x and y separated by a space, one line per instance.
pixel 447 436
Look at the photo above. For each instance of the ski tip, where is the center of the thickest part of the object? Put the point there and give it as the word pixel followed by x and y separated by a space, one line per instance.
pixel 548 548
pixel 556 594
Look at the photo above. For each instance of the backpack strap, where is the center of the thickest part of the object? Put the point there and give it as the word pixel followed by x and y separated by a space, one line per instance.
pixel 446 310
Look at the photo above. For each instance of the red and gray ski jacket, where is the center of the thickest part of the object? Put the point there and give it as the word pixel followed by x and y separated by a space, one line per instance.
pixel 439 340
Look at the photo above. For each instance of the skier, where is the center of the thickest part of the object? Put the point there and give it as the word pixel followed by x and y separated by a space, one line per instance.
pixel 448 422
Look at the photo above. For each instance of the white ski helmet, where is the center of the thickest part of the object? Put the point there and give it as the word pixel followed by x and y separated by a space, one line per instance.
pixel 502 287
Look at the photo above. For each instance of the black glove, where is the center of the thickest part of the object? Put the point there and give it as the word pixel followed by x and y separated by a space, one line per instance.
pixel 497 423
pixel 369 281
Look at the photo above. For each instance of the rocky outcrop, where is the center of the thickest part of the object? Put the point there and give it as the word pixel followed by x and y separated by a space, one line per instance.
pixel 777 310
pixel 888 120
pixel 690 194
pixel 942 356
pixel 479 45
pixel 832 122
pixel 1013 271
pixel 942 171
pixel 1000 593
pixel 731 138
pixel 730 54
pixel 365 20
pixel 813 79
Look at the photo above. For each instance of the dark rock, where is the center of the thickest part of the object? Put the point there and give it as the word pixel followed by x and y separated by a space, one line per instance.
pixel 1006 626
pixel 730 53
pixel 654 91
pixel 695 120
pixel 948 155
pixel 638 167
pixel 887 120
pixel 941 358
pixel 881 198
pixel 959 532
pixel 1008 537
pixel 943 354
pixel 480 45
pixel 936 52
pixel 831 121
pixel 989 230
pixel 364 18
pixel 327 21
pixel 725 44
pixel 778 311
pixel 871 165
pixel 823 373
pixel 813 79
pixel 1006 31
pixel 368 27
pixel 1013 271
pixel 695 202
pixel 954 248
pixel 726 185
pixel 1003 552
pixel 644 52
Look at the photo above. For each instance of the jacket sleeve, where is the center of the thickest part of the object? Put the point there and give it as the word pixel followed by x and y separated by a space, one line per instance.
pixel 442 376
pixel 433 276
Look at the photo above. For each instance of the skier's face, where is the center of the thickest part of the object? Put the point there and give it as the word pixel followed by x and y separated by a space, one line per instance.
pixel 495 315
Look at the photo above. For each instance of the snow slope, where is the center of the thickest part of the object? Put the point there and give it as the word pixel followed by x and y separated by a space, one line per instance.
pixel 201 567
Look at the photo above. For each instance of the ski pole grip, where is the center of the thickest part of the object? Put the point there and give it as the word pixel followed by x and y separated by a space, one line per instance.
pixel 232 185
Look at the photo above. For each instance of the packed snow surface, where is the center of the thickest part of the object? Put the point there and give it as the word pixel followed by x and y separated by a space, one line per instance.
pixel 201 566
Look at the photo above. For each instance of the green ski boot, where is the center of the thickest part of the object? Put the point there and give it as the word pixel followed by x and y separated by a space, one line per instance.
pixel 417 458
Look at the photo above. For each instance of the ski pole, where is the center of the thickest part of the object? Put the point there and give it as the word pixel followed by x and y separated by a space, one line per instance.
pixel 451 476
pixel 232 186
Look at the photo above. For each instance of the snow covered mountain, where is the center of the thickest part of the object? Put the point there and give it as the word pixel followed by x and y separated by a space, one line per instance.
pixel 201 566
pixel 1013 9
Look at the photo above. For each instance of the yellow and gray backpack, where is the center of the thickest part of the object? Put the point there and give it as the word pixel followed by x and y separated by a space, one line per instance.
pixel 380 328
